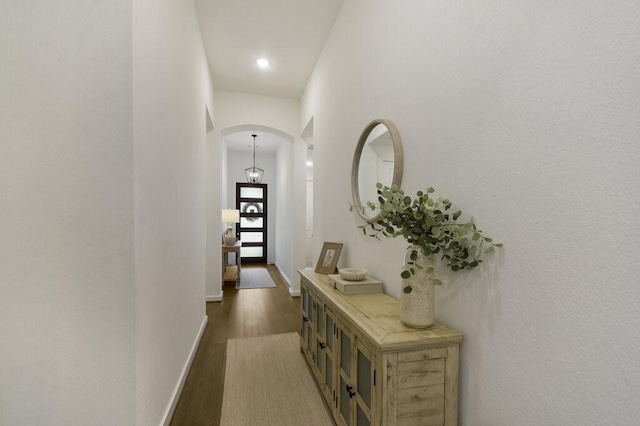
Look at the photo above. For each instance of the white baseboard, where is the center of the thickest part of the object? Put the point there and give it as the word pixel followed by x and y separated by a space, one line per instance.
pixel 286 278
pixel 215 298
pixel 168 415
pixel 293 293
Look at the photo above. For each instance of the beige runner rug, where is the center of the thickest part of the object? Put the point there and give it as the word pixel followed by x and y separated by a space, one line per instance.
pixel 267 382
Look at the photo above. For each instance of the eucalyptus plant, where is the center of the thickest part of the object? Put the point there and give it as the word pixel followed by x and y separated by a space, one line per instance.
pixel 431 226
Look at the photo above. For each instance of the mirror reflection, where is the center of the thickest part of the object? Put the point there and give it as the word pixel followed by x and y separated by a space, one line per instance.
pixel 376 164
pixel 378 158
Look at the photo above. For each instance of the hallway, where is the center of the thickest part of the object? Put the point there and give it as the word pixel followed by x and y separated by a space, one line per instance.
pixel 242 313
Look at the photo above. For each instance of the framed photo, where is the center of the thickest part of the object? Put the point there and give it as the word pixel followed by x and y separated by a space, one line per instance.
pixel 329 258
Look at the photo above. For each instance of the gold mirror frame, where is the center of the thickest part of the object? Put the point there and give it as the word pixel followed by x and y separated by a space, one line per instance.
pixel 398 164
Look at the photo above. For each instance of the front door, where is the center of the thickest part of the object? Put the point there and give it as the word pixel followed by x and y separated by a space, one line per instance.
pixel 251 200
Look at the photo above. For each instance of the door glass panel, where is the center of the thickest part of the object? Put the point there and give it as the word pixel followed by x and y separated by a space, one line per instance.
pixel 251 222
pixel 345 353
pixel 329 334
pixel 362 418
pixel 364 378
pixel 251 237
pixel 345 402
pixel 251 251
pixel 248 192
pixel 328 374
pixel 252 207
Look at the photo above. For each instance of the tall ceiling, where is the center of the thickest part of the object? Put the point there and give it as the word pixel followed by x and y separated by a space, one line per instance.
pixel 289 33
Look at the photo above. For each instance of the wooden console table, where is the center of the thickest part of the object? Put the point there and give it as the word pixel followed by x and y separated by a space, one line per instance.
pixel 231 273
pixel 371 368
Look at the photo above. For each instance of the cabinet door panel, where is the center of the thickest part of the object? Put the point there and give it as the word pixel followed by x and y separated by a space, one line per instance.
pixel 319 358
pixel 305 304
pixel 362 419
pixel 365 379
pixel 330 364
pixel 328 375
pixel 330 330
pixel 310 339
pixel 345 351
pixel 345 402
pixel 320 320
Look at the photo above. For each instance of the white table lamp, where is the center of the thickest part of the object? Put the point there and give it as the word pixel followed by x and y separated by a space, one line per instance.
pixel 230 217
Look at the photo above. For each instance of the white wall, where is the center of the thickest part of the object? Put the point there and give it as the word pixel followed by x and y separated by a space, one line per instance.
pixel 285 202
pixel 215 187
pixel 172 89
pixel 67 294
pixel 103 214
pixel 526 116
pixel 239 110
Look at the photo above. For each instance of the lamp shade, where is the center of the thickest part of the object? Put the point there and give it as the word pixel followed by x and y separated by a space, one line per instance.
pixel 230 216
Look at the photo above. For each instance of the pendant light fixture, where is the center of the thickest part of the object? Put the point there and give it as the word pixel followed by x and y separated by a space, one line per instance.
pixel 254 174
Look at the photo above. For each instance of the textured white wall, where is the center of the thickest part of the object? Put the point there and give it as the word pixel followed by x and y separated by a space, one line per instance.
pixel 284 202
pixel 526 116
pixel 171 88
pixel 237 109
pixel 282 114
pixel 66 214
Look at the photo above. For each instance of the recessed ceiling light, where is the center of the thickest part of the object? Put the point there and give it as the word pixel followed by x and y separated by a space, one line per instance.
pixel 309 163
pixel 262 63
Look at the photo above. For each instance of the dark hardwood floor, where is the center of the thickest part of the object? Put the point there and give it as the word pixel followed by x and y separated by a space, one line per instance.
pixel 242 313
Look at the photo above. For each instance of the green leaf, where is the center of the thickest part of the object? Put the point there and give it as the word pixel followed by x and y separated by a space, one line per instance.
pixel 405 274
pixel 407 289
pixel 430 190
pixel 489 250
pixel 456 215
pixel 437 282
pixel 498 244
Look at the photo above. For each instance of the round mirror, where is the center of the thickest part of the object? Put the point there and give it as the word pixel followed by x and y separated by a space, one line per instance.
pixel 378 158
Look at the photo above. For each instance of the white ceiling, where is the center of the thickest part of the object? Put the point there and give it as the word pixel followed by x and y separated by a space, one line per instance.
pixel 242 141
pixel 289 33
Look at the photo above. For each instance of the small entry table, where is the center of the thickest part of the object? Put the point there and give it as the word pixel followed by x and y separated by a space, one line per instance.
pixel 231 273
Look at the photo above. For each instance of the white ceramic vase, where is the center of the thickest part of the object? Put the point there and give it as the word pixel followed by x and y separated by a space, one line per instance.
pixel 417 308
